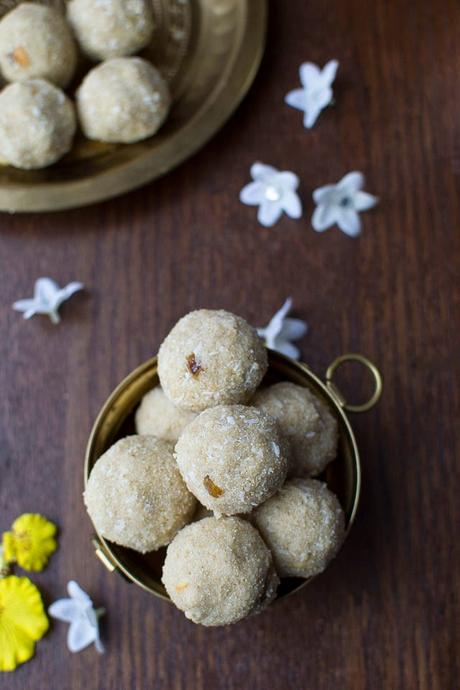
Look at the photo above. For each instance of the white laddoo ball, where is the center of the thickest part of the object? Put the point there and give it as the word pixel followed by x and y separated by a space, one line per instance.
pixel 211 358
pixel 122 100
pixel 37 124
pixel 158 416
pixel 111 28
pixel 306 423
pixel 135 494
pixel 219 571
pixel 232 458
pixel 36 43
pixel 303 525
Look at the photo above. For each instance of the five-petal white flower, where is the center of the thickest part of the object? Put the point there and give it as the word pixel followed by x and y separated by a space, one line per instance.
pixel 281 330
pixel 47 299
pixel 83 618
pixel 273 191
pixel 316 92
pixel 341 203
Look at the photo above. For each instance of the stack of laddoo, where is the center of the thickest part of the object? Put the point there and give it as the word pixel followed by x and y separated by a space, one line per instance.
pixel 221 472
pixel 123 99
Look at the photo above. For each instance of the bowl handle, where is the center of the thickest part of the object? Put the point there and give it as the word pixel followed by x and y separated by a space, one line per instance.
pixel 376 375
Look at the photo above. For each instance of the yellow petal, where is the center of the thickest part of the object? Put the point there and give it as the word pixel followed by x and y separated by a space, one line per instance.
pixel 9 547
pixel 31 541
pixel 22 621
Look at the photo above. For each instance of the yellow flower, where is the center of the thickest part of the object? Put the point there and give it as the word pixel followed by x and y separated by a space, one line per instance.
pixel 30 542
pixel 23 621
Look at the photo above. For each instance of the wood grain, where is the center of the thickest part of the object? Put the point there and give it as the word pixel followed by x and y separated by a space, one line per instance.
pixel 385 614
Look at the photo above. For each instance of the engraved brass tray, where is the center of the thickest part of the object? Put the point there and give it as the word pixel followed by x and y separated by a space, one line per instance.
pixel 209 51
pixel 343 475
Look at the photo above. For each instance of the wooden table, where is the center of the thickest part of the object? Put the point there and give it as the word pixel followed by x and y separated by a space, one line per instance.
pixel 385 614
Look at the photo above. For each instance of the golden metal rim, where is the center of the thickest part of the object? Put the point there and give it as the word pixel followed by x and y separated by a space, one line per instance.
pixel 370 366
pixel 224 100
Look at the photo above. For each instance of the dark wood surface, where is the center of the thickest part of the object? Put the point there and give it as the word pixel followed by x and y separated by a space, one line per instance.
pixel 385 614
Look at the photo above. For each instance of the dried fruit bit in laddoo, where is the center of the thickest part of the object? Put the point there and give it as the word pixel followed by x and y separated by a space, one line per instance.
pixel 36 43
pixel 307 424
pixel 232 458
pixel 219 571
pixel 158 416
pixel 303 525
pixel 37 124
pixel 122 100
pixel 111 28
pixel 211 358
pixel 135 494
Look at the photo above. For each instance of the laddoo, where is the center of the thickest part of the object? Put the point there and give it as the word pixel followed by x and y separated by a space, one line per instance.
pixel 158 416
pixel 219 571
pixel 111 28
pixel 122 100
pixel 307 424
pixel 37 124
pixel 36 43
pixel 135 494
pixel 303 526
pixel 232 458
pixel 211 358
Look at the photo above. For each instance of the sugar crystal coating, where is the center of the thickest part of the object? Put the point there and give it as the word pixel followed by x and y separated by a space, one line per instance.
pixel 37 124
pixel 219 571
pixel 122 100
pixel 111 28
pixel 36 43
pixel 211 358
pixel 306 423
pixel 303 525
pixel 232 458
pixel 135 494
pixel 158 416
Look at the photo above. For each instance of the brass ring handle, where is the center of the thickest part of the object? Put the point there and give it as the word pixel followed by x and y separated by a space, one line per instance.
pixel 352 357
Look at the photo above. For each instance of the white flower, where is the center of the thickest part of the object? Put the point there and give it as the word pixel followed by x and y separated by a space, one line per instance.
pixel 316 92
pixel 281 330
pixel 83 618
pixel 47 299
pixel 340 203
pixel 274 192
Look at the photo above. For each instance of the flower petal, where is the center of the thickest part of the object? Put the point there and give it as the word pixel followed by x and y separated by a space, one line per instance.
pixel 252 194
pixel 272 330
pixel 262 173
pixel 309 74
pixel 269 213
pixel 349 221
pixel 362 201
pixel 24 305
pixel 293 329
pixel 45 290
pixel 76 592
pixel 296 99
pixel 288 181
pixel 329 71
pixel 67 292
pixel 351 183
pixel 324 217
pixel 66 610
pixel 80 634
pixel 292 205
pixel 323 194
pixel 287 349
pixel 312 112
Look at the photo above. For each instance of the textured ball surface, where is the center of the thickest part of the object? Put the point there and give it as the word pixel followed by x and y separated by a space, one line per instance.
pixel 219 571
pixel 111 28
pixel 122 100
pixel 303 525
pixel 135 494
pixel 306 423
pixel 158 416
pixel 37 124
pixel 232 458
pixel 211 358
pixel 36 43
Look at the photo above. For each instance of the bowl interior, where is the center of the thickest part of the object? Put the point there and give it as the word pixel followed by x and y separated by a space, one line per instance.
pixel 116 420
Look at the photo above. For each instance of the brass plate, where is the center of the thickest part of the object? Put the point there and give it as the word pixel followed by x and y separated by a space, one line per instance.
pixel 209 51
pixel 115 420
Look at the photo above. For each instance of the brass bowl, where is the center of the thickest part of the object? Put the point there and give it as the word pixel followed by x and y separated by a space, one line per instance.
pixel 116 420
pixel 209 52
